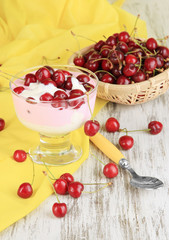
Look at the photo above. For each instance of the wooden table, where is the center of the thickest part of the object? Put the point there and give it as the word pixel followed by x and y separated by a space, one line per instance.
pixel 120 211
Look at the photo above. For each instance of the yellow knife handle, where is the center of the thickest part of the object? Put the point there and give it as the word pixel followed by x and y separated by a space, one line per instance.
pixel 107 147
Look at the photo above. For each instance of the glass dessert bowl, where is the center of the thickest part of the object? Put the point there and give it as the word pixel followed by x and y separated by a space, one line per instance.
pixel 54 101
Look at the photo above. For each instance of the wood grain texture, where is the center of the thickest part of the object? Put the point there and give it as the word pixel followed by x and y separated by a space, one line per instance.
pixel 119 212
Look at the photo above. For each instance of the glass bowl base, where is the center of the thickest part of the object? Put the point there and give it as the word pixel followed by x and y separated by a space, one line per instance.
pixel 56 158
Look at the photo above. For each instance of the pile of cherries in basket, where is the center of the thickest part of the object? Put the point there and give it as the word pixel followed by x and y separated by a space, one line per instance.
pixel 122 59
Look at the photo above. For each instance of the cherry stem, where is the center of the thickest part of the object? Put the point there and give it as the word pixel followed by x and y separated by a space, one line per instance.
pixel 89 105
pixel 105 72
pixel 143 48
pixel 77 35
pixel 125 130
pixel 45 173
pixel 97 158
pixel 49 171
pixel 138 16
pixel 12 75
pixel 108 184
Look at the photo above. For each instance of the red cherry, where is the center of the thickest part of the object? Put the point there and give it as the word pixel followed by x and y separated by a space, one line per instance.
pixel 139 76
pixel 51 70
pixel 126 142
pixel 151 44
pixel 76 92
pixel 116 71
pixel 59 103
pixel 150 64
pixel 48 81
pixel 20 155
pixel 122 80
pixel 75 102
pixel 42 74
pixel 92 65
pixel 116 57
pixel 59 209
pixel 88 86
pixel 110 170
pixel 98 45
pixel 31 100
pixel 91 127
pixel 58 77
pixel 131 59
pixel 107 78
pixel 83 78
pixel 112 125
pixel 129 70
pixel 164 51
pixel 46 97
pixel 25 190
pixel 2 124
pixel 79 61
pixel 160 61
pixel 29 78
pixel 61 186
pixel 122 46
pixel 66 73
pixel 18 90
pixel 105 50
pixel 75 189
pixel 60 94
pixel 155 127
pixel 106 65
pixel 123 36
pixel 68 177
pixel 68 84
pixel 111 41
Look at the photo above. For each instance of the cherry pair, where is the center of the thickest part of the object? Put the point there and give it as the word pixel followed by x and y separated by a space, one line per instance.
pixel 127 142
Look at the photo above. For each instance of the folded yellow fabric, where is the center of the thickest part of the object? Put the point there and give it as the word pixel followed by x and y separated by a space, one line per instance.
pixel 31 30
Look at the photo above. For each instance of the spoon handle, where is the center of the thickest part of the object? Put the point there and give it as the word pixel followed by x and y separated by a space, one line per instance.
pixel 107 147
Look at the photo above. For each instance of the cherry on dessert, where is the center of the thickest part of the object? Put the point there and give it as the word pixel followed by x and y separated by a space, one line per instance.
pixel 76 92
pixel 129 69
pixel 79 61
pixel 59 78
pixel 150 64
pixel 61 186
pixel 2 124
pixel 123 80
pixel 123 36
pixel 91 127
pixel 66 73
pixel 107 78
pixel 31 100
pixel 68 177
pixel 74 101
pixel 59 103
pixel 51 70
pixel 42 73
pixel 29 78
pixel 155 127
pixel 110 170
pixel 19 155
pixel 88 86
pixel 59 209
pixel 25 190
pixel 139 76
pixel 151 44
pixel 75 189
pixel 112 125
pixel 126 142
pixel 60 94
pixel 46 97
pixel 68 84
pixel 18 90
pixel 49 81
pixel 83 78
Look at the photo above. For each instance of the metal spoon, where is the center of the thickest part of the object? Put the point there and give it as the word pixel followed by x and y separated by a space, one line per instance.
pixel 116 156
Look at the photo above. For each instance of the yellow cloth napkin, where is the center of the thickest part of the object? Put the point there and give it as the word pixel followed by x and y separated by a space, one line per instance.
pixel 31 30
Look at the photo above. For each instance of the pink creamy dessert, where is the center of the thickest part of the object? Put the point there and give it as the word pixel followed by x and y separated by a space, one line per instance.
pixel 54 117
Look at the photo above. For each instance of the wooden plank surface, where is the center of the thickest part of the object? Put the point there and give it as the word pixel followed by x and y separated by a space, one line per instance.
pixel 119 212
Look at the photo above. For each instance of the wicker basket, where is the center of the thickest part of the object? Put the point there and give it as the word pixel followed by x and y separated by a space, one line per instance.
pixel 131 94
